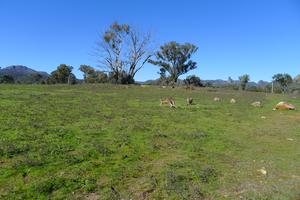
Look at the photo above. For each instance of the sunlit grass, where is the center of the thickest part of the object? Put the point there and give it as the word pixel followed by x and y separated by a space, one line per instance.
pixel 116 142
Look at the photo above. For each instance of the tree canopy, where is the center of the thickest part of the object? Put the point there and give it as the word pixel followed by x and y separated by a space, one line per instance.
pixel 63 74
pixel 175 59
pixel 284 80
pixel 90 75
pixel 244 79
pixel 193 80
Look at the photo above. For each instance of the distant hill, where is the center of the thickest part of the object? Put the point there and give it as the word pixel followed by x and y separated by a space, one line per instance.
pixel 214 83
pixel 23 74
pixel 220 82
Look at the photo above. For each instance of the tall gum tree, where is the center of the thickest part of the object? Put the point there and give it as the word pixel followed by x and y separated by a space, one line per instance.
pixel 123 51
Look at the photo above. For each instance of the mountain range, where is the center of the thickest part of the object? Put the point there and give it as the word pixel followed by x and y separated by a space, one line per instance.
pixel 23 74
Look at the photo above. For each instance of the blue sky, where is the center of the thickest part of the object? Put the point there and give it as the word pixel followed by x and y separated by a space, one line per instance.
pixel 257 37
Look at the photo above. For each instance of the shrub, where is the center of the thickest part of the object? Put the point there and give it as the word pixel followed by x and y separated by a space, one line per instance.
pixel 7 79
pixel 120 78
pixel 193 81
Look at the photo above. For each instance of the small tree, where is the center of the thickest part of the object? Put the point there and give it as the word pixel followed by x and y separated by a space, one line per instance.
pixel 230 80
pixel 193 80
pixel 88 72
pixel 120 78
pixel 244 80
pixel 101 77
pixel 63 74
pixel 175 59
pixel 90 75
pixel 284 80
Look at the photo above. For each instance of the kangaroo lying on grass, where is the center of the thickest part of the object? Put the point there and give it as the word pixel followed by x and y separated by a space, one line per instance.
pixel 170 101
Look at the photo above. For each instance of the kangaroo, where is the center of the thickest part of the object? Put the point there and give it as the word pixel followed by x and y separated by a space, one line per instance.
pixel 189 101
pixel 170 101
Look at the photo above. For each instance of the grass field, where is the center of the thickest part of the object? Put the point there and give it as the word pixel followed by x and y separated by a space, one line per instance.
pixel 116 142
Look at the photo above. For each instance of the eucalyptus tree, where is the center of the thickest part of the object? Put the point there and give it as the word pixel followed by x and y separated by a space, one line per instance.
pixel 284 80
pixel 174 59
pixel 123 51
pixel 244 79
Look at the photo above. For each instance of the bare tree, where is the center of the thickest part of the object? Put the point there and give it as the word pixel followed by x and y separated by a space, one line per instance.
pixel 123 51
pixel 140 52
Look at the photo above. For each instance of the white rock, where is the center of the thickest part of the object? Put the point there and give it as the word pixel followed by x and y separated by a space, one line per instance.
pixel 216 99
pixel 263 171
pixel 232 101
pixel 256 104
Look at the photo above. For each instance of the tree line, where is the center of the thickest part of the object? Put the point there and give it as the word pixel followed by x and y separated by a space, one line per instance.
pixel 122 51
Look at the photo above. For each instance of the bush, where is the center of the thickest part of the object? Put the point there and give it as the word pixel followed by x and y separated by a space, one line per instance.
pixel 62 75
pixel 193 81
pixel 101 77
pixel 7 79
pixel 120 78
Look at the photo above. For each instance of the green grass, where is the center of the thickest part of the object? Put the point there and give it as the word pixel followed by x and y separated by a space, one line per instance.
pixel 116 142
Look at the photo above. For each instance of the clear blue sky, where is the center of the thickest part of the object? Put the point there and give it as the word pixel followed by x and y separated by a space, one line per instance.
pixel 258 37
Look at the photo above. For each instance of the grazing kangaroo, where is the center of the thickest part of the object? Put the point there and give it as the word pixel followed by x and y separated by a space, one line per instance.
pixel 189 101
pixel 170 101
